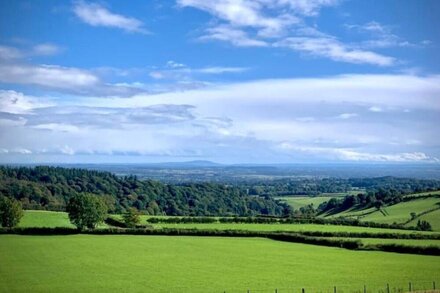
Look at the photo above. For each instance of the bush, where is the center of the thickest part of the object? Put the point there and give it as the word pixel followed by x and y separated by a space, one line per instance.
pixel 11 212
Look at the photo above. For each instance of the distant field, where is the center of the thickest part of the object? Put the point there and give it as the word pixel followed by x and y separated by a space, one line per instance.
pixel 400 212
pixel 50 219
pixel 90 263
pixel 437 192
pixel 45 219
pixel 299 202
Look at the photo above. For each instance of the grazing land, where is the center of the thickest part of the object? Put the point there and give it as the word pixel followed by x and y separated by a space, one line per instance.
pixel 400 212
pixel 89 263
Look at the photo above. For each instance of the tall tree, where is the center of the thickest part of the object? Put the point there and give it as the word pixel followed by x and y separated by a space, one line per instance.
pixel 86 210
pixel 11 212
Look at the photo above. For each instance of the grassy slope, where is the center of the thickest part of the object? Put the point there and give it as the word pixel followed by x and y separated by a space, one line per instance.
pixel 90 263
pixel 400 212
pixel 433 218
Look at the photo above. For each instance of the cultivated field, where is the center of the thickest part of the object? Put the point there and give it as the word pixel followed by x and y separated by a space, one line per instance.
pixel 90 263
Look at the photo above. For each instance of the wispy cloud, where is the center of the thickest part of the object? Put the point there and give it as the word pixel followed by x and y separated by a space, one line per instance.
pixel 281 23
pixel 335 50
pixel 97 15
pixel 235 36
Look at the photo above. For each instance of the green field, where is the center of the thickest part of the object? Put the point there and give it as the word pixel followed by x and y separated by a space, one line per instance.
pixel 299 202
pixel 60 219
pixel 284 227
pixel 400 212
pixel 45 219
pixel 90 263
pixel 433 218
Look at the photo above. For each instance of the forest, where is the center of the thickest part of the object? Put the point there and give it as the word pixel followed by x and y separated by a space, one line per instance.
pixel 49 188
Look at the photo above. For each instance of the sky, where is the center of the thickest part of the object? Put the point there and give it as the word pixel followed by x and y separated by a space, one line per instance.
pixel 230 81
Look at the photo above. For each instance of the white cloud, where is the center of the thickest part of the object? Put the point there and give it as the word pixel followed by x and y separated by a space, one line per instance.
pixel 232 35
pixel 220 70
pixel 97 15
pixel 347 115
pixel 376 109
pixel 47 75
pixel 247 24
pixel 68 79
pixel 10 53
pixel 346 154
pixel 45 49
pixel 335 50
pixel 17 103
pixel 247 121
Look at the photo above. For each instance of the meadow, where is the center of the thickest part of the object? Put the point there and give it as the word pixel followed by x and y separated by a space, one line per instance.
pixel 90 263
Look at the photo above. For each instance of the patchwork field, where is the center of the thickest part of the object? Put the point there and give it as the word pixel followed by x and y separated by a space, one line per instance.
pixel 88 263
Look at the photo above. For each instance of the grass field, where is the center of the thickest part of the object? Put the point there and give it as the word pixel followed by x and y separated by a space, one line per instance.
pixel 50 219
pixel 433 218
pixel 45 219
pixel 90 263
pixel 299 202
pixel 60 219
pixel 400 212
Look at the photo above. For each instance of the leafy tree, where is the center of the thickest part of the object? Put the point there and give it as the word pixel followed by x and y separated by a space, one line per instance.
pixel 86 210
pixel 423 225
pixel 131 217
pixel 10 212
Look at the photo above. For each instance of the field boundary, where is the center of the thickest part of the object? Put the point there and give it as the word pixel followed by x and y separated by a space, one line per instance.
pixel 304 237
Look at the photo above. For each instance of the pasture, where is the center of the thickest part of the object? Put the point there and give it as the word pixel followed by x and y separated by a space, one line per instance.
pixel 90 263
pixel 400 212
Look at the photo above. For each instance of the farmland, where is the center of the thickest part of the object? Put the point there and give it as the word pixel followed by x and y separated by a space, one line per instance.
pixel 86 263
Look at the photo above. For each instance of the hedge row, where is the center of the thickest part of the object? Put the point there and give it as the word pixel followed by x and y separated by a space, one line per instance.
pixel 121 224
pixel 266 220
pixel 386 235
pixel 427 250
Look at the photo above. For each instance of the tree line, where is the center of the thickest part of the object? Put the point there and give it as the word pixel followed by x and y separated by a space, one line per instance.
pixel 50 188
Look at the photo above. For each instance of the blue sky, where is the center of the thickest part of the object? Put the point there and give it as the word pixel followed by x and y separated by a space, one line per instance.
pixel 245 81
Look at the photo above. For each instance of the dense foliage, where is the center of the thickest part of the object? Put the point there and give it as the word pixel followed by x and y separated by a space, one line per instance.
pixel 131 217
pixel 51 187
pixel 86 210
pixel 10 212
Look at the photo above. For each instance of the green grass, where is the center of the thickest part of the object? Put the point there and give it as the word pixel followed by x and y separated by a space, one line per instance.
pixel 45 219
pixel 283 227
pixel 299 202
pixel 433 218
pixel 90 263
pixel 400 212
pixel 437 192
pixel 32 218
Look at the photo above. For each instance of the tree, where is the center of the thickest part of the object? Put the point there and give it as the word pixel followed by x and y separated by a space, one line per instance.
pixel 86 210
pixel 423 226
pixel 131 217
pixel 10 212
